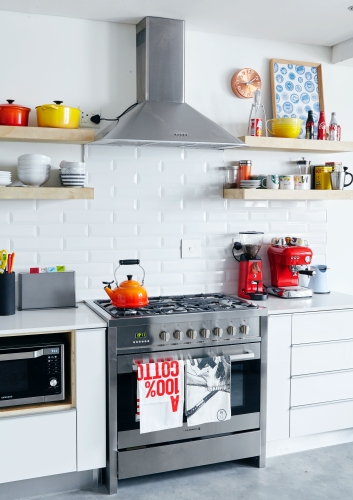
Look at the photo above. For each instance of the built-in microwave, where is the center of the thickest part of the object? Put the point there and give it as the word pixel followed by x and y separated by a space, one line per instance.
pixel 32 369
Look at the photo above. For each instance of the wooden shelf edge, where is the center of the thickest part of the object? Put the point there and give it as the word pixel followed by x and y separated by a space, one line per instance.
pixel 42 134
pixel 282 144
pixel 46 193
pixel 286 194
pixel 28 410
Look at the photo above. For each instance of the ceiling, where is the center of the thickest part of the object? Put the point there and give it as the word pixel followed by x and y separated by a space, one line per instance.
pixel 322 22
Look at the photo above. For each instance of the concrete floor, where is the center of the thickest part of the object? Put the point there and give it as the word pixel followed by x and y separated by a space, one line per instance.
pixel 322 474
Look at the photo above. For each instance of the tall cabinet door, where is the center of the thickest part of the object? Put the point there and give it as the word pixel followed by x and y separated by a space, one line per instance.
pixel 278 376
pixel 91 401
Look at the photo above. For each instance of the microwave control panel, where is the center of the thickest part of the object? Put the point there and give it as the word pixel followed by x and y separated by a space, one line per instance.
pixel 53 369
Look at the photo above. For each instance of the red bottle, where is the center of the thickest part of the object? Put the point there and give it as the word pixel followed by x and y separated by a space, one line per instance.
pixel 321 131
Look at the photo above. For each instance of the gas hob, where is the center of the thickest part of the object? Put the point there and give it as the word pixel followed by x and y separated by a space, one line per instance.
pixel 178 304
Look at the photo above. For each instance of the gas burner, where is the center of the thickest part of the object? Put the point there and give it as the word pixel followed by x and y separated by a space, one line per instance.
pixel 179 304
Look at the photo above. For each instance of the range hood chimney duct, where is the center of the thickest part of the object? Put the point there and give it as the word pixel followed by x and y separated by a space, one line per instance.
pixel 162 118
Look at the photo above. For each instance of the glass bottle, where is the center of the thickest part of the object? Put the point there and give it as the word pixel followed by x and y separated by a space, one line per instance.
pixel 309 127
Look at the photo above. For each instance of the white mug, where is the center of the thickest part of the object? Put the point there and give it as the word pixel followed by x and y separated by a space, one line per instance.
pixel 286 181
pixel 270 182
pixel 302 181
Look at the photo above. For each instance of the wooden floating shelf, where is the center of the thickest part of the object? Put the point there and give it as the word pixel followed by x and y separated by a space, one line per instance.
pixel 286 194
pixel 46 193
pixel 42 134
pixel 281 144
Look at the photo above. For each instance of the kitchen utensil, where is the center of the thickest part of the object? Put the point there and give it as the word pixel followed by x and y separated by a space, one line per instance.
pixel 318 282
pixel 244 171
pixel 14 114
pixel 255 122
pixel 304 166
pixel 57 115
pixel 302 181
pixel 35 178
pixel 3 260
pixel 129 293
pixel 270 182
pixel 286 181
pixel 46 290
pixel 250 284
pixel 11 261
pixel 338 179
pixel 33 158
pixel 285 127
pixel 231 177
pixel 322 177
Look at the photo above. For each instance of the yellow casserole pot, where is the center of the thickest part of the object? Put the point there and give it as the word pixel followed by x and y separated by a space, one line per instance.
pixel 57 116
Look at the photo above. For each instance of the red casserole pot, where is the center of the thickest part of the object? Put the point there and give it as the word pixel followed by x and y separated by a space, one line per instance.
pixel 13 114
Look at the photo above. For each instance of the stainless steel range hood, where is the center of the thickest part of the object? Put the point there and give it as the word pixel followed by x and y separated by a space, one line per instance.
pixel 162 118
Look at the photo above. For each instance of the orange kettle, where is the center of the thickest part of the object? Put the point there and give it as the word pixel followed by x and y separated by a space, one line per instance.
pixel 129 293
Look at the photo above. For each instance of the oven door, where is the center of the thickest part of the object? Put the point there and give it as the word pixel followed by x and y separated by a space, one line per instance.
pixel 245 395
pixel 26 375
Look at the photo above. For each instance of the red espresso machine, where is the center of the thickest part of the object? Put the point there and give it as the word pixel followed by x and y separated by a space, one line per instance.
pixel 250 266
pixel 289 258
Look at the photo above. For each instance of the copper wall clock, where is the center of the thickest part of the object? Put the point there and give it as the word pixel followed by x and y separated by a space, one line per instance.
pixel 245 82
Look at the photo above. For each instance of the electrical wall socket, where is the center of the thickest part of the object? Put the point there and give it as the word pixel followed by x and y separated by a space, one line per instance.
pixel 190 249
pixel 85 121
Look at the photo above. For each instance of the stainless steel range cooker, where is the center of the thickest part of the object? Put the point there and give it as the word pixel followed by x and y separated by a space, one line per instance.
pixel 185 327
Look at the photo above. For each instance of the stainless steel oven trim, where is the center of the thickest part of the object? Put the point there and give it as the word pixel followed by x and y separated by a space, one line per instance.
pixel 263 389
pixel 5 403
pixel 111 480
pixel 247 422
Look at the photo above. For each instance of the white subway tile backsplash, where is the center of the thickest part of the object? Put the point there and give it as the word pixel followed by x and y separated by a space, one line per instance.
pixel 36 217
pixel 146 201
pixel 10 230
pixel 88 243
pixel 117 229
pixel 66 230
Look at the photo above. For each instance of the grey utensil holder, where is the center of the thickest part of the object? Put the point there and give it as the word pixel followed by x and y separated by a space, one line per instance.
pixel 46 290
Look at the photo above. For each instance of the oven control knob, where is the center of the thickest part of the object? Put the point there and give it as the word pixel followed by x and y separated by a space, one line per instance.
pixel 192 334
pixel 164 336
pixel 53 382
pixel 205 333
pixel 232 330
pixel 218 331
pixel 245 329
pixel 178 335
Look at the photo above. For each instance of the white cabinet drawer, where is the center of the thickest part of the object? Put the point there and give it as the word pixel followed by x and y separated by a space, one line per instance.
pixel 321 418
pixel 321 388
pixel 325 357
pixel 37 445
pixel 322 327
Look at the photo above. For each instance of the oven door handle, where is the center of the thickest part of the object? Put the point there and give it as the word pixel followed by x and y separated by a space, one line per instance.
pixel 21 355
pixel 246 355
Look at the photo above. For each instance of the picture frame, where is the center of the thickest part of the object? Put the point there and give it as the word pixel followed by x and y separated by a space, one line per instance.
pixel 296 87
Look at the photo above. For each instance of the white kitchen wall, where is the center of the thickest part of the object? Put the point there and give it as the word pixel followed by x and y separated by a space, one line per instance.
pixel 146 200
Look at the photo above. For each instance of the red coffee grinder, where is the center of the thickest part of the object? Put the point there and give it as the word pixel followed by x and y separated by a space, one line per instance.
pixel 250 266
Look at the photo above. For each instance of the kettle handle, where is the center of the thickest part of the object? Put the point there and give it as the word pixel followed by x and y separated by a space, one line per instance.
pixel 349 183
pixel 129 262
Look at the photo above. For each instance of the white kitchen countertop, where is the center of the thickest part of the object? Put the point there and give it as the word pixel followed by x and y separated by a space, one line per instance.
pixel 50 320
pixel 318 302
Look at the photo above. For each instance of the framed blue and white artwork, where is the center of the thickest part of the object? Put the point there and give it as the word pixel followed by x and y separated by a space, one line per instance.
pixel 296 87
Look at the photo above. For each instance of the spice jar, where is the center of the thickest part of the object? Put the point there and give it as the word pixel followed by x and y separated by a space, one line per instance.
pixel 231 177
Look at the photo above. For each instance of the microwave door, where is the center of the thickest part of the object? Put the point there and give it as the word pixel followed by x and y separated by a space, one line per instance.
pixel 21 377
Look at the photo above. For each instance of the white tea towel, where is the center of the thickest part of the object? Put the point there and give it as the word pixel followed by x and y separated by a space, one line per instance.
pixel 161 395
pixel 207 390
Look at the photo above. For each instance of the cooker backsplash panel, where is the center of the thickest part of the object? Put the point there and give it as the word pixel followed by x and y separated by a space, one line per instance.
pixel 146 201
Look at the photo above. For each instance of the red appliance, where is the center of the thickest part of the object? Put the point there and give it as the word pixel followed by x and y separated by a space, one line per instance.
pixel 286 263
pixel 250 266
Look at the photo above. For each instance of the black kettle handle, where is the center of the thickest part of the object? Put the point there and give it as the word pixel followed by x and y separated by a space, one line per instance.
pixel 349 183
pixel 129 262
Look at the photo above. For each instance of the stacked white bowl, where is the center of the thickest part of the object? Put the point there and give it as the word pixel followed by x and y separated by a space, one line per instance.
pixel 33 169
pixel 72 173
pixel 5 178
